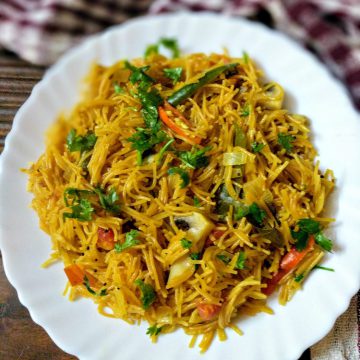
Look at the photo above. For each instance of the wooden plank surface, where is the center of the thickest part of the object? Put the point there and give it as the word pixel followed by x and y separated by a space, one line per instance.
pixel 20 337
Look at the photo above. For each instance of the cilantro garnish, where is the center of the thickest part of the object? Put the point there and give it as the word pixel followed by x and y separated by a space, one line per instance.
pixel 309 227
pixel 150 100
pixel 139 76
pixel 172 45
pixel 196 202
pixel 153 330
pixel 81 208
pixel 245 57
pixel 257 147
pixel 173 74
pixel 118 89
pixel 146 138
pixel 323 241
pixel 164 149
pixel 80 143
pixel 195 158
pixel 240 262
pixel 108 201
pixel 185 243
pixel 182 173
pixel 148 293
pixel 77 200
pixel 298 278
pixel 286 141
pixel 195 256
pixel 168 43
pixel 254 214
pixel 130 240
pixel 151 49
pixel 224 258
pixel 323 268
pixel 86 283
pixel 245 111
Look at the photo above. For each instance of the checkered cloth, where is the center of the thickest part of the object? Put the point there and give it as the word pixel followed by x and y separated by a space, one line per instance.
pixel 40 30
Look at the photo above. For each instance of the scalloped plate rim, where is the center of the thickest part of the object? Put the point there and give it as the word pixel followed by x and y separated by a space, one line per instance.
pixel 67 58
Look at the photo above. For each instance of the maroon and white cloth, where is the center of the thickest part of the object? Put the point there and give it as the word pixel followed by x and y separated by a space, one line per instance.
pixel 41 30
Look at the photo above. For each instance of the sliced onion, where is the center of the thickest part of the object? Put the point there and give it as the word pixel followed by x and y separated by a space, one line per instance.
pixel 234 158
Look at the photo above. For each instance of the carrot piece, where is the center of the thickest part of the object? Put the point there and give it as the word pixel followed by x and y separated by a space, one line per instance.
pixel 76 275
pixel 287 264
pixel 176 128
pixel 293 257
pixel 176 112
pixel 208 311
pixel 218 233
pixel 273 282
pixel 106 239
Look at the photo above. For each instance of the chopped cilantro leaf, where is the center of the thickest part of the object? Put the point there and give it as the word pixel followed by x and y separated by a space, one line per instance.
pixel 172 45
pixel 145 139
pixel 256 215
pixel 86 283
pixel 257 147
pixel 299 278
pixel 153 330
pixel 196 202
pixel 186 244
pixel 80 143
pixel 240 262
pixel 118 89
pixel 81 207
pixel 182 173
pixel 224 258
pixel 148 293
pixel 168 43
pixel 163 149
pixel 323 241
pixel 245 57
pixel 151 49
pixel 195 158
pixel 309 227
pixel 150 100
pixel 103 292
pixel 240 211
pixel 245 111
pixel 301 238
pixel 286 141
pixel 130 240
pixel 139 76
pixel 108 201
pixel 323 268
pixel 173 74
pixel 195 256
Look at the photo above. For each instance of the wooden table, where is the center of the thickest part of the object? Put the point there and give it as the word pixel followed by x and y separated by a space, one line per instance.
pixel 20 337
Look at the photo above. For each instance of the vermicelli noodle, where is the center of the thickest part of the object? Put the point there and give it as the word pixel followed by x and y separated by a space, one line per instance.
pixel 182 208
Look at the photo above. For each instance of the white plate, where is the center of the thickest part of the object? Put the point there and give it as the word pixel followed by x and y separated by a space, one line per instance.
pixel 77 327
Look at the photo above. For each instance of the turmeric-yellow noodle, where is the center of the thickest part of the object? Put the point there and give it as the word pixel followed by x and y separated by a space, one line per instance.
pixel 181 192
